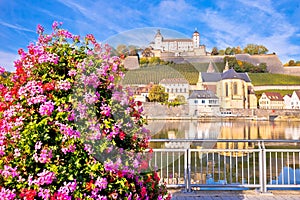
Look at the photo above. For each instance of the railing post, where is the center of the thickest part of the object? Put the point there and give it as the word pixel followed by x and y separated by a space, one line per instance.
pixel 263 167
pixel 187 170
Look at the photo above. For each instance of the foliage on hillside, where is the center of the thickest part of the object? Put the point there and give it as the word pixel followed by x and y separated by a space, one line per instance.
pixel 242 66
pixel 292 63
pixel 273 79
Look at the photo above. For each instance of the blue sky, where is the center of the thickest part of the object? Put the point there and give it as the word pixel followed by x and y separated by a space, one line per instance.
pixel 220 23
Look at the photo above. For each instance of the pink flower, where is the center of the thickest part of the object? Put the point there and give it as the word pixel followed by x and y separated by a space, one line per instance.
pixel 44 193
pixel 38 145
pixel 39 29
pixel 54 25
pixel 72 72
pixel 71 148
pixel 101 183
pixel 63 85
pixel 46 108
pixel 7 194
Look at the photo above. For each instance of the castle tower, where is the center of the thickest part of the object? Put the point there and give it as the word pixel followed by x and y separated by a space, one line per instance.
pixel 158 38
pixel 196 38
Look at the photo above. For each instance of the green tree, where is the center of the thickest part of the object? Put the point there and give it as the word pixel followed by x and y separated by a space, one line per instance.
pixel 158 94
pixel 291 63
pixel 214 51
pixel 221 52
pixel 228 51
pixel 254 49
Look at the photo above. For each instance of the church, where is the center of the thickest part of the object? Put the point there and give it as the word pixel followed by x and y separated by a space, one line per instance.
pixel 233 89
pixel 177 46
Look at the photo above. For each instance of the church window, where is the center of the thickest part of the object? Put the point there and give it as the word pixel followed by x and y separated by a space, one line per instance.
pixel 235 88
pixel 226 90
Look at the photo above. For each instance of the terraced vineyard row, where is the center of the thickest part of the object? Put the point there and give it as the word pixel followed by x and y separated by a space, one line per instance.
pixel 189 71
pixel 150 74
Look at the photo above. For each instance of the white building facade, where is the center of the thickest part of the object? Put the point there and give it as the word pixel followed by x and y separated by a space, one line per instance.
pixel 175 87
pixel 292 101
pixel 203 103
pixel 271 100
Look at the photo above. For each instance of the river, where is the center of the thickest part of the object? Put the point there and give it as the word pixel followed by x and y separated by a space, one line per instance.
pixel 231 130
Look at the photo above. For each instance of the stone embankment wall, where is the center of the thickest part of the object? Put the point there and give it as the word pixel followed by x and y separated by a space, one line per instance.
pixel 158 111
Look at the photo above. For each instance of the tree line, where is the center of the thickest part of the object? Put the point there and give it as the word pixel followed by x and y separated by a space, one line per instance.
pixel 252 49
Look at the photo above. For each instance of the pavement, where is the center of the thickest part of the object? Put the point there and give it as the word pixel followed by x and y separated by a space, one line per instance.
pixel 236 195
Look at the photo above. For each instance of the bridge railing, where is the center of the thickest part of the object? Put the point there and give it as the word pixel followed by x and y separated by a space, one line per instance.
pixel 256 166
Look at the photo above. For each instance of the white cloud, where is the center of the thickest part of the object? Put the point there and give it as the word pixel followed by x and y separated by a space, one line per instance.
pixel 7 60
pixel 16 27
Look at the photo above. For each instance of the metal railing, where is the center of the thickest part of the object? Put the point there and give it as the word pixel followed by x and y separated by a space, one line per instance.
pixel 228 169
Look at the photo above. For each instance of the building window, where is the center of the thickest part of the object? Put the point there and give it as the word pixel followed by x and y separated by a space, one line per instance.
pixel 196 101
pixel 235 88
pixel 226 90
pixel 203 101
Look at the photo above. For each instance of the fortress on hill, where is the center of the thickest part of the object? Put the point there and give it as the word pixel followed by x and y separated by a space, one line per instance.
pixel 177 46
pixel 183 50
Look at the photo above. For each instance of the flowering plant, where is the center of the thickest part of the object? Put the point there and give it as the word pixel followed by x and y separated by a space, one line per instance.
pixel 67 129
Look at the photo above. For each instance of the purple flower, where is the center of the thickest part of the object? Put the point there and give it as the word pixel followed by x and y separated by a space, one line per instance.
pixel 72 72
pixel 7 194
pixel 44 193
pixel 39 29
pixel 101 183
pixel 38 145
pixel 46 108
pixel 63 85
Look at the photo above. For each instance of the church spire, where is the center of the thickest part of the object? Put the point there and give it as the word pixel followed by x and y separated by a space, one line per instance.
pixel 210 68
pixel 226 66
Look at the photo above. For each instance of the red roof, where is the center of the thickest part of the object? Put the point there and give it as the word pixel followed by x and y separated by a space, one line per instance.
pixel 274 96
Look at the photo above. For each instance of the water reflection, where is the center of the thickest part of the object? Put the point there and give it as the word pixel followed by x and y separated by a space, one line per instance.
pixel 247 129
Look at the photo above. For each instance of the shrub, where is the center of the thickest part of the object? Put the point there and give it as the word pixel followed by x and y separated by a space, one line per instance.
pixel 68 130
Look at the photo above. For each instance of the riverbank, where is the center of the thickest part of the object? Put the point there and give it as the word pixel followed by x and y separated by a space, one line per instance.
pixel 156 111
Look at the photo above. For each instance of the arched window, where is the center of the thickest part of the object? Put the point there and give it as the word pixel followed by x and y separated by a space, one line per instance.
pixel 226 90
pixel 235 88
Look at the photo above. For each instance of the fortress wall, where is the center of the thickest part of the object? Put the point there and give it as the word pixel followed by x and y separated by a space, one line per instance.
pixel 292 70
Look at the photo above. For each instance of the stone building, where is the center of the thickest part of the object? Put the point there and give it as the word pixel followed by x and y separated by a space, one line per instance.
pixel 233 89
pixel 177 46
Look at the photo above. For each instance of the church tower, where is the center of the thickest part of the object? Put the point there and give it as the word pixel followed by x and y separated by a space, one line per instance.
pixel 196 38
pixel 158 40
